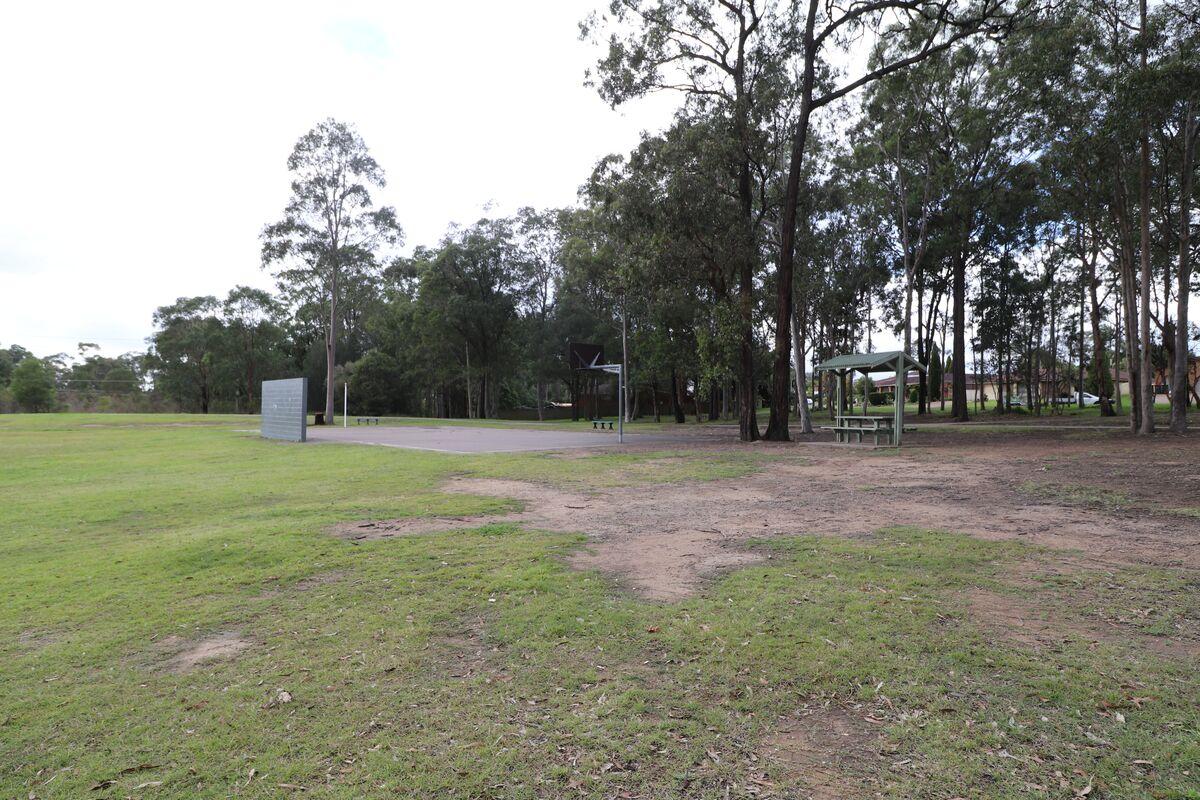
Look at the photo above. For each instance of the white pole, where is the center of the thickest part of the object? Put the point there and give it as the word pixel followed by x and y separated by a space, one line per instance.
pixel 621 407
pixel 345 400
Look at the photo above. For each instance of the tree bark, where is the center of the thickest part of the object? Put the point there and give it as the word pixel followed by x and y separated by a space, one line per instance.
pixel 958 407
pixel 331 343
pixel 777 427
pixel 1188 132
pixel 1099 352
pixel 802 412
pixel 1147 367
pixel 676 402
pixel 1129 297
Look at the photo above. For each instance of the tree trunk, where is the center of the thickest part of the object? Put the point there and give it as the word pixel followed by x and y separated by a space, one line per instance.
pixel 331 348
pixel 1120 409
pixel 1179 385
pixel 1079 352
pixel 922 355
pixel 676 403
pixel 1130 299
pixel 801 379
pixel 959 386
pixel 777 427
pixel 1099 361
pixel 1147 367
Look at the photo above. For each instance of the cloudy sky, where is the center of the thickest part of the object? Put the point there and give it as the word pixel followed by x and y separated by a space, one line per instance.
pixel 144 145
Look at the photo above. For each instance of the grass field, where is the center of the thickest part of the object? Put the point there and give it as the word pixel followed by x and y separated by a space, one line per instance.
pixel 477 664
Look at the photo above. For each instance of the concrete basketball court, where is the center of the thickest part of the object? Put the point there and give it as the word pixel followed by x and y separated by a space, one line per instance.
pixel 467 439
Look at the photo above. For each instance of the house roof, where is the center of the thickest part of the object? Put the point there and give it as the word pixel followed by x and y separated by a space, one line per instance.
pixel 869 362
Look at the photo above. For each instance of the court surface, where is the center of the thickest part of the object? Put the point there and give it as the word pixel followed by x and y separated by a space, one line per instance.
pixel 464 439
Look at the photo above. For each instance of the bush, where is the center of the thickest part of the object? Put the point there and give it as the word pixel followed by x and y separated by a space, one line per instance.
pixel 375 384
pixel 913 395
pixel 880 399
pixel 33 386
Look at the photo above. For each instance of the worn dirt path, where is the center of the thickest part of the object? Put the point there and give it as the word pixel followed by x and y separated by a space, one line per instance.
pixel 663 541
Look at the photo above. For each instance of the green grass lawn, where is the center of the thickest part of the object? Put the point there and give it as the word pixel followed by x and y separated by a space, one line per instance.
pixel 475 664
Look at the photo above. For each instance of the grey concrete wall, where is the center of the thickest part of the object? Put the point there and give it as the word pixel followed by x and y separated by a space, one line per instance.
pixel 285 409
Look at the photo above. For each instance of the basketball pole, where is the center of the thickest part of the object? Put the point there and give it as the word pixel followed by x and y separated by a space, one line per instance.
pixel 621 404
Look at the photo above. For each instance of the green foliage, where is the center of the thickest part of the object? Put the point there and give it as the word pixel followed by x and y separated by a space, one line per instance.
pixel 325 251
pixel 377 381
pixel 32 385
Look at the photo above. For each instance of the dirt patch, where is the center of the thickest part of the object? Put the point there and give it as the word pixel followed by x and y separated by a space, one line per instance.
pixel 33 640
pixel 827 751
pixel 184 655
pixel 411 526
pixel 653 539
pixel 1024 621
pixel 663 540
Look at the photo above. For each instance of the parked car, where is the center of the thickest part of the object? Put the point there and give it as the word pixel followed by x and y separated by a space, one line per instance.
pixel 1089 400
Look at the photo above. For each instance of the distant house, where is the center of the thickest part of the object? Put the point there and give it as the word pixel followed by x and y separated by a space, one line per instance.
pixel 975 382
pixel 1161 386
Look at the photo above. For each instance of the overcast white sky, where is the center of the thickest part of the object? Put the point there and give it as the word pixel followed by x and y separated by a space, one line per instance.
pixel 144 144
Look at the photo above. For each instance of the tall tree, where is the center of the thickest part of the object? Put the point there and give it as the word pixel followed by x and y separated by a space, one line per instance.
pixel 32 385
pixel 925 28
pixel 727 57
pixel 331 231
pixel 184 350
pixel 254 338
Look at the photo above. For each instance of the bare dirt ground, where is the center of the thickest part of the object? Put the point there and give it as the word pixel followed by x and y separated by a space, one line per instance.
pixel 833 747
pixel 184 655
pixel 1113 499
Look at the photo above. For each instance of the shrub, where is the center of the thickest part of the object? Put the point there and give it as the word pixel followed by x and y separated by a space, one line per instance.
pixel 33 386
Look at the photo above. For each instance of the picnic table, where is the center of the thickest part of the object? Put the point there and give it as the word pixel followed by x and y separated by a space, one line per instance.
pixel 859 425
pixel 890 427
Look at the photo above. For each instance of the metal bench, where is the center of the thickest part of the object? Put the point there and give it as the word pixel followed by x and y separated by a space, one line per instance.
pixel 598 424
pixel 367 420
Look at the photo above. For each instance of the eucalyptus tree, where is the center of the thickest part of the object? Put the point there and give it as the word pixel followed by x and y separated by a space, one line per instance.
pixel 728 57
pixel 185 350
pixel 666 255
pixel 1075 171
pixel 331 231
pixel 1174 91
pixel 468 291
pixel 252 319
pixel 539 247
pixel 908 32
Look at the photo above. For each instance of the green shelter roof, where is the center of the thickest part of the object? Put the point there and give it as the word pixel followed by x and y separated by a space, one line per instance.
pixel 869 362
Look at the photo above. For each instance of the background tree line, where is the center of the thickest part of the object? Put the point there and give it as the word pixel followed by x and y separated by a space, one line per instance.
pixel 1005 187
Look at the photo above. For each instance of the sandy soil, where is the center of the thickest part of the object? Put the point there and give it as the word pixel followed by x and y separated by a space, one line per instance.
pixel 184 655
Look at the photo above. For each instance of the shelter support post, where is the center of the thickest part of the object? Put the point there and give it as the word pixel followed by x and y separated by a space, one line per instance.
pixel 900 397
